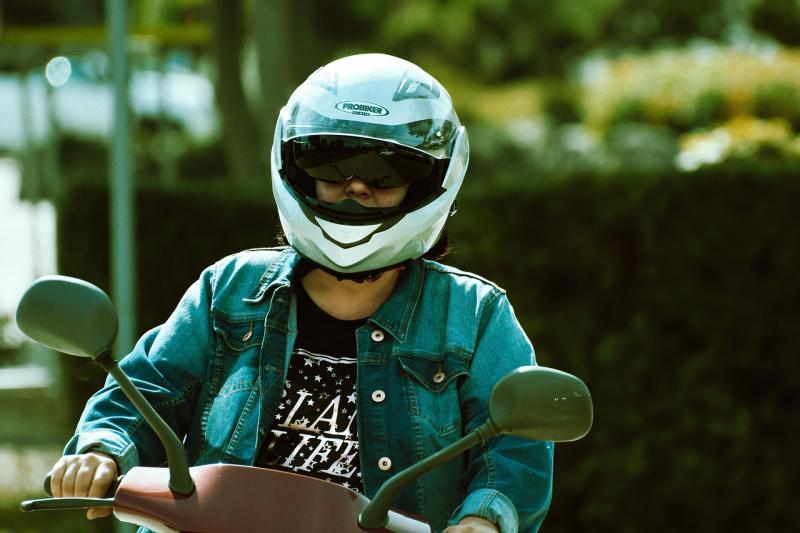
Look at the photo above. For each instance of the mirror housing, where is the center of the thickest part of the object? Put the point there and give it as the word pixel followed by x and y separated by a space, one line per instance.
pixel 540 403
pixel 68 315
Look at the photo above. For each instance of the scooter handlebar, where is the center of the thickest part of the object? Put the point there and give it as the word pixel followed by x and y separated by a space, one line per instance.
pixel 109 493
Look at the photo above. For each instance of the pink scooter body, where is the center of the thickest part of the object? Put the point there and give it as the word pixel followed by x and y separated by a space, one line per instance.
pixel 240 499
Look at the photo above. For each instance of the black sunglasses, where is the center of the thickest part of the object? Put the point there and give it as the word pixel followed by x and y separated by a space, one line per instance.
pixel 378 164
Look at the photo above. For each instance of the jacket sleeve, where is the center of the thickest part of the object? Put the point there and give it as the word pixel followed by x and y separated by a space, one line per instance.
pixel 508 480
pixel 167 365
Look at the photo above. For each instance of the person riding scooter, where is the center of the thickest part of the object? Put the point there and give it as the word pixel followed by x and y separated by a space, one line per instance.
pixel 350 353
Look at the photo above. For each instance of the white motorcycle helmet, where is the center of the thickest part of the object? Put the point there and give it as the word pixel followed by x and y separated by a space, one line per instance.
pixel 388 122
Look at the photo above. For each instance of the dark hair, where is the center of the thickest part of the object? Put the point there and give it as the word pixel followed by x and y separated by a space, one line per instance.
pixel 441 249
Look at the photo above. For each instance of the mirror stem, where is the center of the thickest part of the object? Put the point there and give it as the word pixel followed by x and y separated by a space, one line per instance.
pixel 376 514
pixel 180 482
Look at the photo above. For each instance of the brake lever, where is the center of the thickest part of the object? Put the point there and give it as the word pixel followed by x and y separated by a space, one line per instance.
pixel 53 504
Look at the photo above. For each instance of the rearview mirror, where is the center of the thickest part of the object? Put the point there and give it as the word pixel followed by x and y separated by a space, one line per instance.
pixel 536 402
pixel 68 315
pixel 75 317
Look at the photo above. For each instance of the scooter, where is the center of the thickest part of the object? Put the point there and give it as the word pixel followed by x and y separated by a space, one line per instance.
pixel 77 318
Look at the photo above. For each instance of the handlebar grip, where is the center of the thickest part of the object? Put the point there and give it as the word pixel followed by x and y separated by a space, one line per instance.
pixel 109 493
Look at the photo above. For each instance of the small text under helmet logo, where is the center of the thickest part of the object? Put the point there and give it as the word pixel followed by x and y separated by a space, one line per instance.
pixel 362 108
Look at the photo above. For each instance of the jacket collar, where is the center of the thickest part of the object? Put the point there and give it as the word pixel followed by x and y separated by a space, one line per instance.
pixel 394 316
pixel 278 274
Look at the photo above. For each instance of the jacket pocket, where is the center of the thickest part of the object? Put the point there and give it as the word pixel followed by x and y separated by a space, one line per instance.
pixel 229 415
pixel 432 391
pixel 241 334
pixel 237 358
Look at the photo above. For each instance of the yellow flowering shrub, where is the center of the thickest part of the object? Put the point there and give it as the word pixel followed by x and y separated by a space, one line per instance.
pixel 693 88
pixel 740 139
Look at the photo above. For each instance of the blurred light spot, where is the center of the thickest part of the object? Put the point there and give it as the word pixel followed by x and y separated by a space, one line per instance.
pixel 58 71
pixel 577 138
pixel 25 377
pixel 708 149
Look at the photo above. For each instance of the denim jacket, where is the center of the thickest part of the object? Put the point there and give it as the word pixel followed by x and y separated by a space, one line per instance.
pixel 215 372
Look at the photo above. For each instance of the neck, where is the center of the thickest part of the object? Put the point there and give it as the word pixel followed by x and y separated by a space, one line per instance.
pixel 349 300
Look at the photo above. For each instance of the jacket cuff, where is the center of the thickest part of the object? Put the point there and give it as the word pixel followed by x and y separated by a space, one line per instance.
pixel 106 441
pixel 490 505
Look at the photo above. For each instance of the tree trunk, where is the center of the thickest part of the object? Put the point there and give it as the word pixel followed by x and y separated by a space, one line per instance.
pixel 285 42
pixel 241 139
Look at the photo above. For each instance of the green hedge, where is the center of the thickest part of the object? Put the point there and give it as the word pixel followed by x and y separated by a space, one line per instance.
pixel 676 300
pixel 673 297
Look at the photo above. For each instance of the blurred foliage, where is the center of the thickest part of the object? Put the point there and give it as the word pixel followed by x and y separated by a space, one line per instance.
pixel 778 19
pixel 511 66
pixel 493 104
pixel 8 343
pixel 39 12
pixel 148 13
pixel 506 39
pixel 152 13
pixel 674 298
pixel 693 88
pixel 87 159
pixel 743 140
pixel 721 106
pixel 531 150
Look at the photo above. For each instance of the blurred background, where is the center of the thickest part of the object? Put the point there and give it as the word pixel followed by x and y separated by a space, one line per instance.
pixel 633 184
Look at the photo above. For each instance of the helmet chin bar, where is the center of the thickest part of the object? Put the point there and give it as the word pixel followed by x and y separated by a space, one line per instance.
pixel 361 277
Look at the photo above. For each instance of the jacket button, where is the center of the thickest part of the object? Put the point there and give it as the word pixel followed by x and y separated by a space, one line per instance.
pixel 378 396
pixel 438 377
pixel 384 463
pixel 377 335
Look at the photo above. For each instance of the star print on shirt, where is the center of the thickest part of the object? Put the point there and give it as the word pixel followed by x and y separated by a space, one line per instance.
pixel 314 432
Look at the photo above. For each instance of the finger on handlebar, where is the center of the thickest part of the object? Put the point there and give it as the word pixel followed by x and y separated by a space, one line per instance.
pixel 98 512
pixel 109 493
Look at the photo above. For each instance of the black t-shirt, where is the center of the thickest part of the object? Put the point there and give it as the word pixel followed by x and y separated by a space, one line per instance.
pixel 314 430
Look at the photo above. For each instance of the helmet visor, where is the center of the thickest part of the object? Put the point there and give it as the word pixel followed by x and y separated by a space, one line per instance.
pixel 336 158
pixel 432 136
